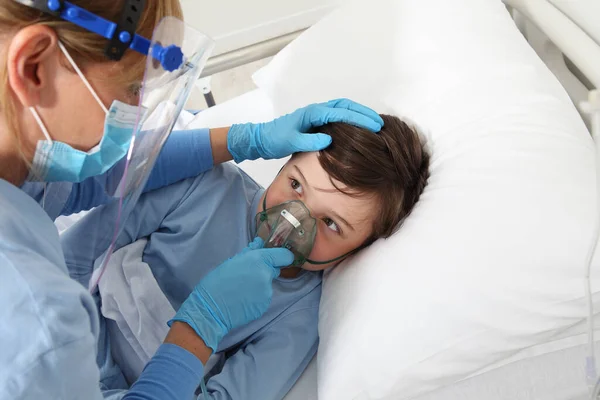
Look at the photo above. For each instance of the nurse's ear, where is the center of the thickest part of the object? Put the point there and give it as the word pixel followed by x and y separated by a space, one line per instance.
pixel 33 58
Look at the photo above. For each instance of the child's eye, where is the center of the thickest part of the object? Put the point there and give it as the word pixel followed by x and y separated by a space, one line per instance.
pixel 331 224
pixel 296 186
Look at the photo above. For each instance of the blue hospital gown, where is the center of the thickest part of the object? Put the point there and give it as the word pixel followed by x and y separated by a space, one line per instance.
pixel 192 227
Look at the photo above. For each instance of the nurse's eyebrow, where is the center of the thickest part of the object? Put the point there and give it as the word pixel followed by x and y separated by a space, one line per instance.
pixel 335 214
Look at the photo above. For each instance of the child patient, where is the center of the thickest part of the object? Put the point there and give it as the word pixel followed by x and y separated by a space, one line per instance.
pixel 358 190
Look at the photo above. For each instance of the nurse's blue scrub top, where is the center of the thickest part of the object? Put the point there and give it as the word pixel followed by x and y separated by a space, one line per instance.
pixel 48 322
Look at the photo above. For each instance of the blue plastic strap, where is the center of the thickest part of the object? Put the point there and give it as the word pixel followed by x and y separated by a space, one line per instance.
pixel 140 44
pixel 170 57
pixel 87 20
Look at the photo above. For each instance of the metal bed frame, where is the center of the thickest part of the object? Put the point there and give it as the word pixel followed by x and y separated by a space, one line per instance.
pixel 243 56
pixel 248 54
pixel 568 51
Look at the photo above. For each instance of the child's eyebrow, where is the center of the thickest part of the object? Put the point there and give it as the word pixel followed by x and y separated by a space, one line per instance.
pixel 338 216
pixel 301 175
pixel 306 183
pixel 335 214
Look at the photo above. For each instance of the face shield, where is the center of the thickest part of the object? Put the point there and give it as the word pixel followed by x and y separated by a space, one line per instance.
pixel 164 92
pixel 176 55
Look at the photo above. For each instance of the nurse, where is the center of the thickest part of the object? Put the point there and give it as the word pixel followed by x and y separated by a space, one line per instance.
pixel 63 104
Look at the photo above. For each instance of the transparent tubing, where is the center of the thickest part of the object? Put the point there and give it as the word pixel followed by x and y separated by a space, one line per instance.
pixel 592 107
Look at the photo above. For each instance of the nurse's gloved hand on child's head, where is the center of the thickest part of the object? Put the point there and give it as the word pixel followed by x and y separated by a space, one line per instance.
pixel 289 134
pixel 235 293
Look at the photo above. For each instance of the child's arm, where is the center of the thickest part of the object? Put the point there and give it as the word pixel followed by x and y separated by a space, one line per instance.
pixel 268 364
pixel 87 240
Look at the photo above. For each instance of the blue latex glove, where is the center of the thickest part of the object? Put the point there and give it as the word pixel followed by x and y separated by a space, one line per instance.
pixel 287 135
pixel 233 294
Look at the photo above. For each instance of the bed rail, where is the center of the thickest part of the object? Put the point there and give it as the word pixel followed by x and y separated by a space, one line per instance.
pixel 579 47
pixel 566 48
pixel 248 54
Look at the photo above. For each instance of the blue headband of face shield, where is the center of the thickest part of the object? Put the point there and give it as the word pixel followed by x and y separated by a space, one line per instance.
pixel 121 35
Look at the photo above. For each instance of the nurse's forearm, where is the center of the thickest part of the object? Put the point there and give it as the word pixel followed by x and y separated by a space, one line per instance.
pixel 218 143
pixel 187 154
pixel 173 373
pixel 175 370
pixel 182 335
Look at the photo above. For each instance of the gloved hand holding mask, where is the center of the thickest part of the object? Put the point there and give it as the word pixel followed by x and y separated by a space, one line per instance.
pixel 233 294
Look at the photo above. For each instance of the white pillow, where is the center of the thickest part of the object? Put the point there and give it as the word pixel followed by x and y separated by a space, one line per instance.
pixel 491 261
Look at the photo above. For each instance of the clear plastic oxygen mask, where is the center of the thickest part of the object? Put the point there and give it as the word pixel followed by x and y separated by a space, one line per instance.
pixel 288 225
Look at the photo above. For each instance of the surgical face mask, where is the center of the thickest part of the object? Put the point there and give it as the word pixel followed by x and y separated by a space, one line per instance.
pixel 56 161
pixel 291 226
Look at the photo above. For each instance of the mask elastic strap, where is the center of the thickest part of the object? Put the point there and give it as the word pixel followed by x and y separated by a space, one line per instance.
pixel 313 262
pixel 40 123
pixel 44 196
pixel 265 200
pixel 351 252
pixel 85 81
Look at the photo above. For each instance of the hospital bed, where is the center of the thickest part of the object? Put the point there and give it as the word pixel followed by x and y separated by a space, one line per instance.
pixel 566 36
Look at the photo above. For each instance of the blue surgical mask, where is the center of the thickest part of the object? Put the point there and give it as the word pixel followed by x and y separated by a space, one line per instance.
pixel 55 161
pixel 58 162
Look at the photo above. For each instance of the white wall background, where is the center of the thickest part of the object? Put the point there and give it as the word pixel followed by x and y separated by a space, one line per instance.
pixel 238 23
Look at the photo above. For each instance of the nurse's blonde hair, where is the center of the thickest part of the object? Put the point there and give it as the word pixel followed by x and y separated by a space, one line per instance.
pixel 84 46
